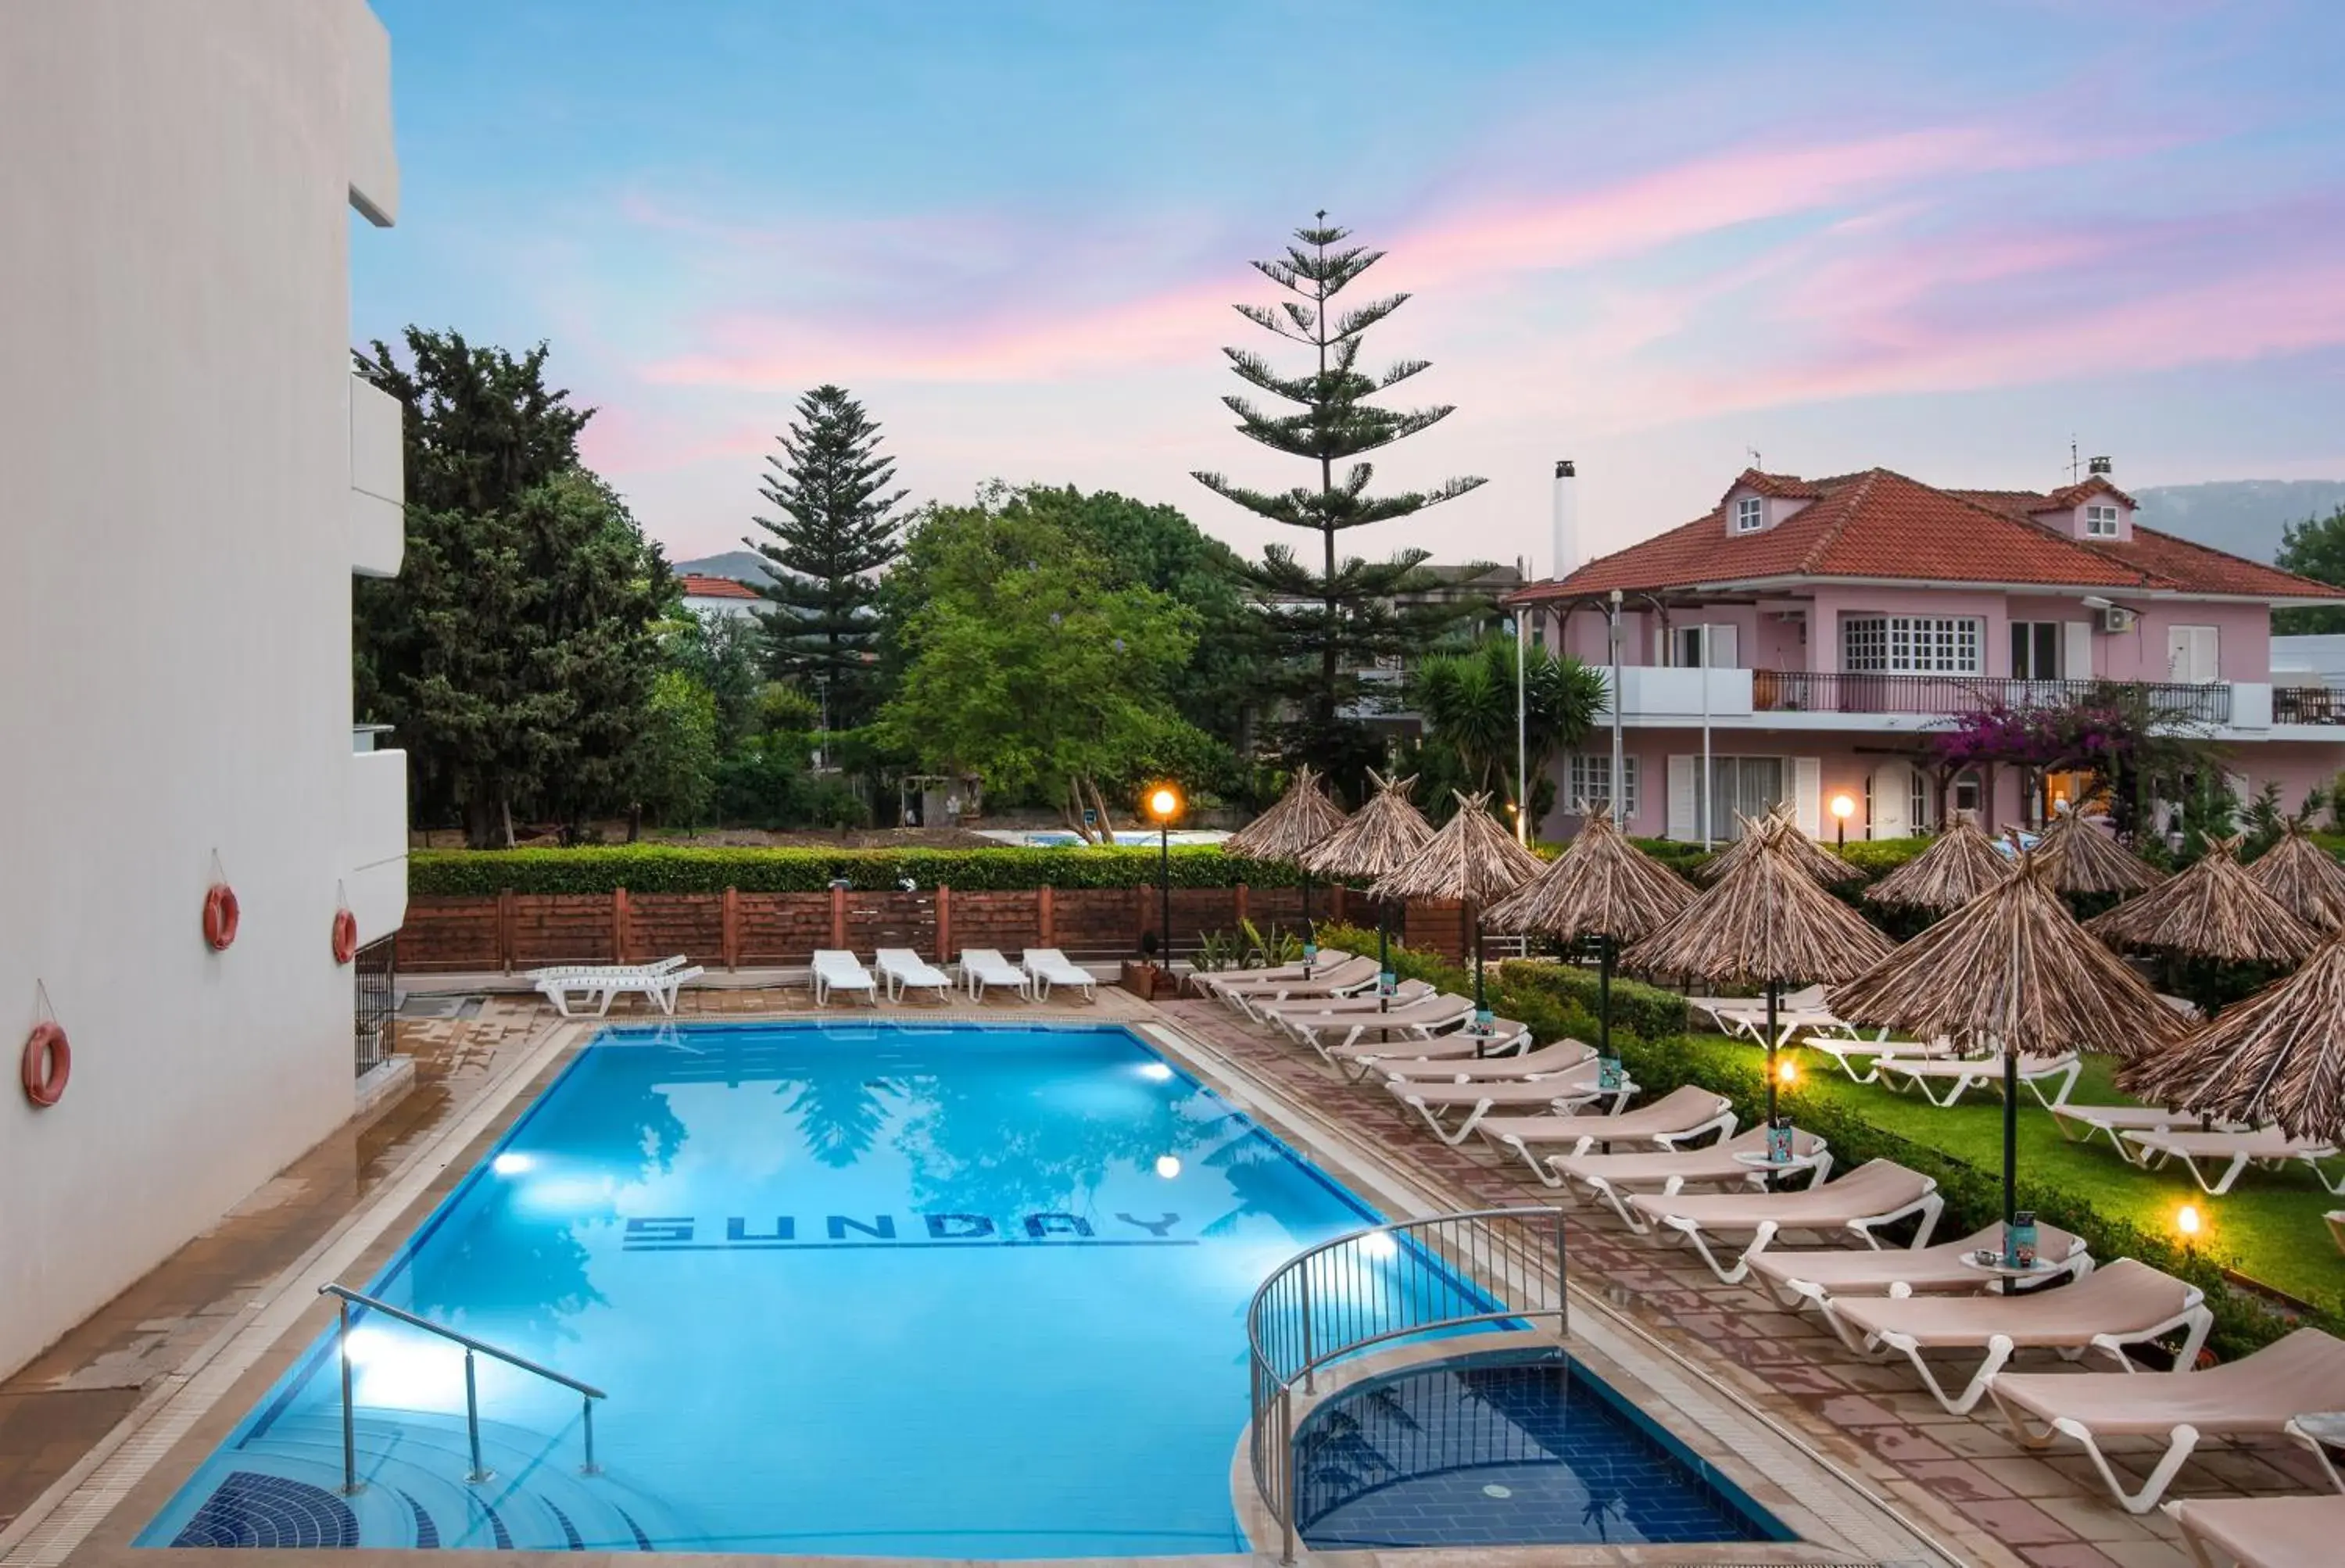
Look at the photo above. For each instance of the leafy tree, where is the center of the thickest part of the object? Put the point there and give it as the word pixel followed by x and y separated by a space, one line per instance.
pixel 836 531
pixel 1025 666
pixel 1326 624
pixel 2115 733
pixel 676 758
pixel 2313 548
pixel 725 654
pixel 1468 703
pixel 515 650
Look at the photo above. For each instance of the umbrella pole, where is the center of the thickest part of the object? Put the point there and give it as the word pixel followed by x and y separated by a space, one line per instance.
pixel 1310 935
pixel 1481 995
pixel 2010 1140
pixel 1772 989
pixel 1384 955
pixel 1604 996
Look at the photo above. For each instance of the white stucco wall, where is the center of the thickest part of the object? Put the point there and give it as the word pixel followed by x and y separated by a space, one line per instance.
pixel 175 425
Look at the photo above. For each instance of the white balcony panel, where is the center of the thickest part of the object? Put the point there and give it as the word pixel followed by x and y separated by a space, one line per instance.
pixel 374 841
pixel 2251 705
pixel 1652 691
pixel 377 519
pixel 373 154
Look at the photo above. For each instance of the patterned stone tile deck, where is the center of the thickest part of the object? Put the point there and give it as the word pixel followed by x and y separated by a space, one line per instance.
pixel 1961 1476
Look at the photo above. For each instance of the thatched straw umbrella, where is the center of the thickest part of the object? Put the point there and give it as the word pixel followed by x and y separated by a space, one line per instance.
pixel 1768 920
pixel 1601 886
pixel 1472 859
pixel 2278 1057
pixel 1950 874
pixel 2214 910
pixel 2084 860
pixel 1301 820
pixel 2011 970
pixel 1807 854
pixel 2304 877
pixel 1379 836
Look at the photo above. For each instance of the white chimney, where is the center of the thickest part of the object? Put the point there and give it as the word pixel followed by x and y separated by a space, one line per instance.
pixel 1567 557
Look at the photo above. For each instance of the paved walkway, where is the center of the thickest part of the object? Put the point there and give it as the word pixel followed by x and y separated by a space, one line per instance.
pixel 1963 1476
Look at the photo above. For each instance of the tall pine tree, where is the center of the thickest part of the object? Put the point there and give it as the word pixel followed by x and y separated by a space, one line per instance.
pixel 836 531
pixel 1328 624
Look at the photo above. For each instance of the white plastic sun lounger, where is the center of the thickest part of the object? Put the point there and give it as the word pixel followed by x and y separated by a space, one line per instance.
pixel 1877 1193
pixel 1336 1034
pixel 1545 1061
pixel 1211 981
pixel 984 967
pixel 1818 1276
pixel 1612 1179
pixel 1047 966
pixel 1327 980
pixel 1558 1094
pixel 601 983
pixel 838 970
pixel 1686 1113
pixel 1504 1037
pixel 1982 1071
pixel 2255 1396
pixel 1807 999
pixel 2266 1146
pixel 2078 1123
pixel 1281 1014
pixel 1751 1024
pixel 2118 1304
pixel 2261 1531
pixel 1846 1048
pixel 904 970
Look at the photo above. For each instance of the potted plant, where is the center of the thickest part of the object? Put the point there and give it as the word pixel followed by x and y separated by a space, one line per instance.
pixel 1146 978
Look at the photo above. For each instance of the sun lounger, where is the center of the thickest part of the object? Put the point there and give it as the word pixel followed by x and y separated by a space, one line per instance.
pixel 1817 1275
pixel 1845 1048
pixel 1751 1024
pixel 1503 1038
pixel 1685 1113
pixel 2336 1221
pixel 1807 999
pixel 1876 1193
pixel 2116 1305
pixel 838 970
pixel 904 970
pixel 1278 1014
pixel 1207 982
pixel 601 983
pixel 2255 1395
pixel 2266 1146
pixel 2182 1005
pixel 2079 1123
pixel 2261 1531
pixel 1342 979
pixel 1332 1034
pixel 984 967
pixel 1557 1057
pixel 1981 1071
pixel 1557 1093
pixel 1047 967
pixel 1612 1179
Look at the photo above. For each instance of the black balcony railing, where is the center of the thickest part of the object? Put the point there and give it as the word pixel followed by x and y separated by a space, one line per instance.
pixel 1947 696
pixel 2308 705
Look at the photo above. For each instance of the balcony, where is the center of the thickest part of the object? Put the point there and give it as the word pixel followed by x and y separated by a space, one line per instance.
pixel 377 518
pixel 374 841
pixel 1946 696
pixel 2308 705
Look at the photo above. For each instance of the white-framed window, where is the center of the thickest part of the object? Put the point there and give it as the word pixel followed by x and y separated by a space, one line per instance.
pixel 2100 522
pixel 1591 784
pixel 1750 515
pixel 1918 645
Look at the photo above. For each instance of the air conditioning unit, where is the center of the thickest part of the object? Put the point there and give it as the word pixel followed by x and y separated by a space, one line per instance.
pixel 2117 619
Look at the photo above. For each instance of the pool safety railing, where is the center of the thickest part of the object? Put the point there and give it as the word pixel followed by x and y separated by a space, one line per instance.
pixel 1493 1266
pixel 347 1298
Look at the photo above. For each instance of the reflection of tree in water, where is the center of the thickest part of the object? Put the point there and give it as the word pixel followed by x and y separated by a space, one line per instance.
pixel 524 1274
pixel 1260 1175
pixel 840 1109
pixel 978 1145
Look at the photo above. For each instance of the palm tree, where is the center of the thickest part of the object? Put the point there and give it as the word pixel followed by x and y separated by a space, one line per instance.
pixel 1468 702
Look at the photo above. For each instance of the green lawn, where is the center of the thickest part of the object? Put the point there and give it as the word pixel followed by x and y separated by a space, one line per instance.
pixel 2269 1226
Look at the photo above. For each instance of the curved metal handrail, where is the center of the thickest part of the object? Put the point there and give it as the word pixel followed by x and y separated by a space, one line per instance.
pixel 347 1298
pixel 1448 1271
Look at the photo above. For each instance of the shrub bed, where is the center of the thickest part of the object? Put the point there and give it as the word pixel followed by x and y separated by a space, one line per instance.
pixel 661 868
pixel 1644 1010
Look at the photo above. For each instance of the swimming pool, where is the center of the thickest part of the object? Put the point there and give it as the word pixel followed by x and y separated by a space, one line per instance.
pixel 929 1290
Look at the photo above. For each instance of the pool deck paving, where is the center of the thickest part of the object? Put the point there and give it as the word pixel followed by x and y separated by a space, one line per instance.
pixel 100 1429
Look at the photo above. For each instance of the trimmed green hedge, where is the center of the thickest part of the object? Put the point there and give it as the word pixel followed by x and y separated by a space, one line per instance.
pixel 1546 1015
pixel 1641 1009
pixel 659 869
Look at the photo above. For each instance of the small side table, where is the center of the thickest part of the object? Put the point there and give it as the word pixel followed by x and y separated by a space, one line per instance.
pixel 2323 1432
pixel 2012 1278
pixel 1758 1161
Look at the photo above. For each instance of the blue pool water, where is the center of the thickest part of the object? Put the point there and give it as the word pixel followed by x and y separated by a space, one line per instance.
pixel 924 1290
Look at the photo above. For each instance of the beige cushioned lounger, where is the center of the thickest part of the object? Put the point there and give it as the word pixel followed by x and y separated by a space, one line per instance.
pixel 2262 1531
pixel 1875 1193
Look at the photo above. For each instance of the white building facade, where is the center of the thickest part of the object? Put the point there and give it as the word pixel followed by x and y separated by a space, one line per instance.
pixel 177 412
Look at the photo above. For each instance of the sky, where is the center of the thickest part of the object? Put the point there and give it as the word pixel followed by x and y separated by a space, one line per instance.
pixel 1948 240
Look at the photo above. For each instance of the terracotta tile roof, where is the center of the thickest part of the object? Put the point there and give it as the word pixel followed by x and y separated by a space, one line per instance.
pixel 699 588
pixel 1780 485
pixel 2067 497
pixel 1880 524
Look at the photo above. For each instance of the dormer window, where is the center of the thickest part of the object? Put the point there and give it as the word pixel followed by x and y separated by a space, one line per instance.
pixel 2100 522
pixel 1750 515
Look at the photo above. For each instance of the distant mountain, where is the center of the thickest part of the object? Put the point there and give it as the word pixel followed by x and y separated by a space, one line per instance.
pixel 741 565
pixel 2244 516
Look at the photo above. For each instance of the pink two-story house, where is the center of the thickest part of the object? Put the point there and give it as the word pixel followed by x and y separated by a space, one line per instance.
pixel 1799 642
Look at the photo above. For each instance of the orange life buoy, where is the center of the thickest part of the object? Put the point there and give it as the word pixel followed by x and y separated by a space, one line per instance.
pixel 346 936
pixel 48 1064
pixel 220 915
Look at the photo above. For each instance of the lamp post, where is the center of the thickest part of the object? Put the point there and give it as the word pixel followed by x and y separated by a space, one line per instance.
pixel 1842 807
pixel 1165 804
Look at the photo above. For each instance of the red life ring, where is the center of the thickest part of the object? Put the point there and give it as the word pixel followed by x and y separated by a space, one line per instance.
pixel 221 916
pixel 48 1064
pixel 346 936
